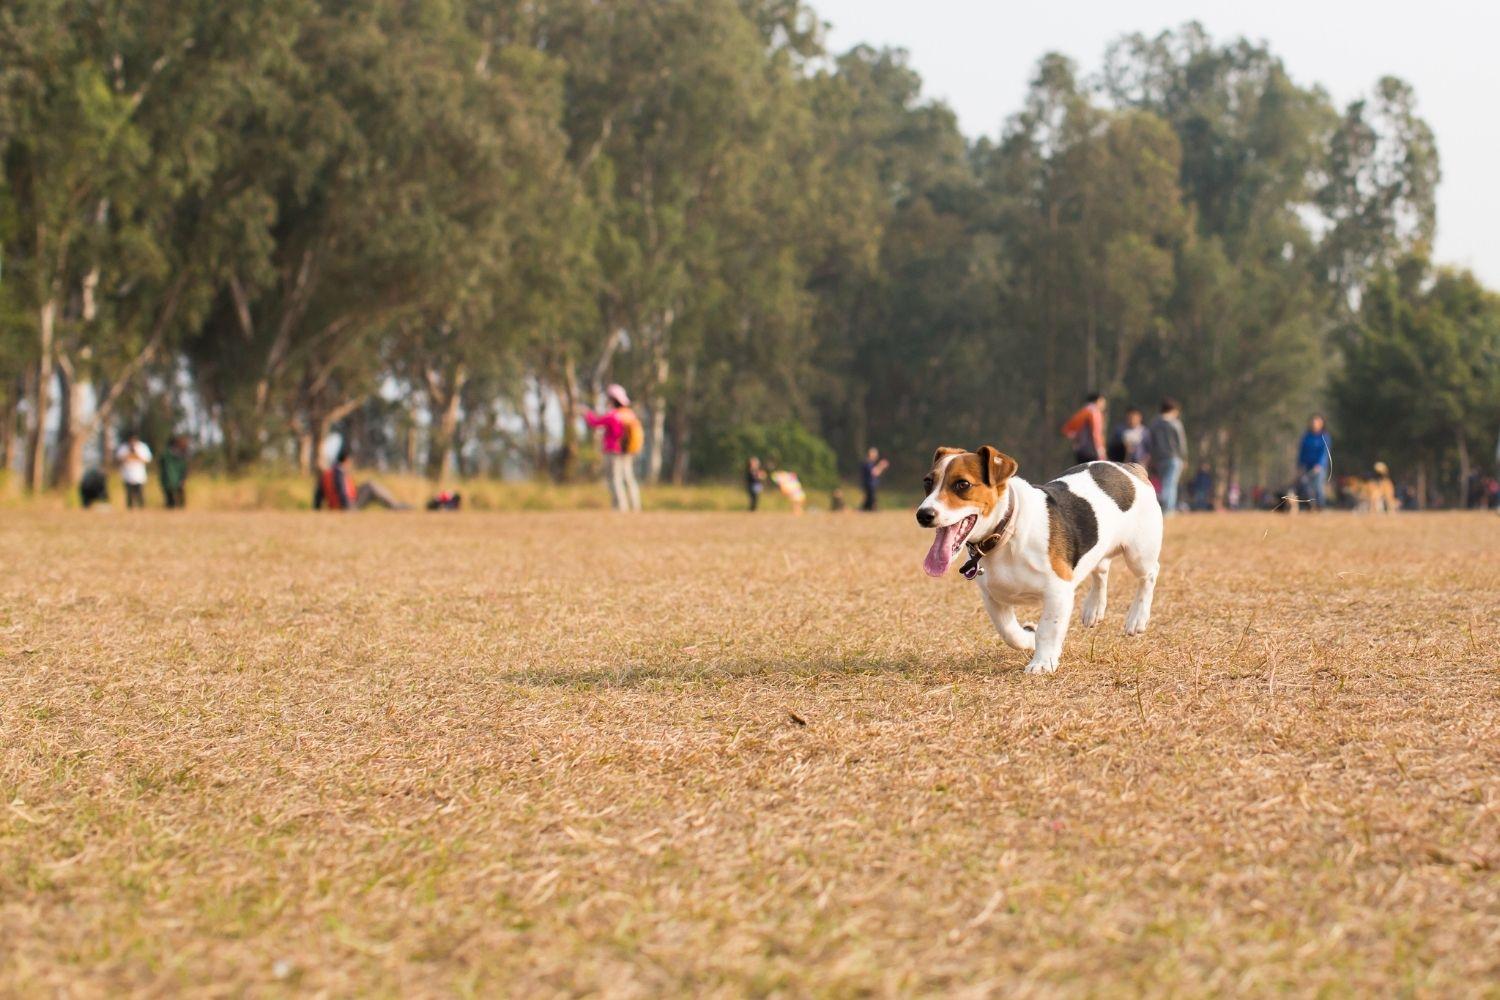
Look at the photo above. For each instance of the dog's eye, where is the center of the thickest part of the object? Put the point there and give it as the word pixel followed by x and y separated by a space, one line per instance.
pixel 927 484
pixel 962 486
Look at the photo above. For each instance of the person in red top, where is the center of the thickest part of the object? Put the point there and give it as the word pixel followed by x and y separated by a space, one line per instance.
pixel 620 444
pixel 336 491
pixel 1085 429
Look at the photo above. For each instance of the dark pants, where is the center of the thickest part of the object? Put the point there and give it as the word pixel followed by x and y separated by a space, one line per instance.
pixel 869 503
pixel 135 495
pixel 754 499
pixel 1081 456
pixel 176 496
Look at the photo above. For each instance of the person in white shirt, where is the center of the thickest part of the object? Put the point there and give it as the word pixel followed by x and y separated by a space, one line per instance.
pixel 134 455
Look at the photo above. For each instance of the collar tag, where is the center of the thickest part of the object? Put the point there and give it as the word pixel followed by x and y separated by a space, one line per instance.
pixel 978 550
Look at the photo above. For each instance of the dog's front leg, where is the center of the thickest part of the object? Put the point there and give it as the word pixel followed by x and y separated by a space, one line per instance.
pixel 1004 616
pixel 1057 609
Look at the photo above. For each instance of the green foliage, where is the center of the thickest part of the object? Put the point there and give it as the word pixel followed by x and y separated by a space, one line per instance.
pixel 1421 380
pixel 785 444
pixel 440 226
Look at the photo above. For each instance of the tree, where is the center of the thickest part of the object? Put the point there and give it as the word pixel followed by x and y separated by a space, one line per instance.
pixel 1380 195
pixel 1421 381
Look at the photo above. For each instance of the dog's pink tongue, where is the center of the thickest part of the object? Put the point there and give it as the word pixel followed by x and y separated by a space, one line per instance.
pixel 941 553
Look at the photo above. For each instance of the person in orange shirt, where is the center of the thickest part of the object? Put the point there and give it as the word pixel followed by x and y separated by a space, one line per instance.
pixel 1085 429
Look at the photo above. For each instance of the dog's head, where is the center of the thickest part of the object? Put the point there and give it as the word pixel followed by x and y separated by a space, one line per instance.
pixel 965 498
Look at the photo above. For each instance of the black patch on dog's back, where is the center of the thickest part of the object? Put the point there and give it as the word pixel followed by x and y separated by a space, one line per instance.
pixel 1077 468
pixel 1114 482
pixel 1072 528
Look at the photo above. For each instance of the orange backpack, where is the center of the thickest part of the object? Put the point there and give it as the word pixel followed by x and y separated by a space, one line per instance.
pixel 633 435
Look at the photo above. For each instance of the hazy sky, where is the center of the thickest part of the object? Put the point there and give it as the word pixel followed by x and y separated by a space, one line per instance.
pixel 978 55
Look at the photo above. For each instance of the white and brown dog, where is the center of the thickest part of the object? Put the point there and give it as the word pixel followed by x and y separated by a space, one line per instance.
pixel 1028 543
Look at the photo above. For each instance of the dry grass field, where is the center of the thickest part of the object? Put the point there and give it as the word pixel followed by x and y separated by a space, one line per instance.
pixel 724 755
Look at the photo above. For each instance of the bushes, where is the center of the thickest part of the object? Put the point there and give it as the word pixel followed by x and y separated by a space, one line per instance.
pixel 785 444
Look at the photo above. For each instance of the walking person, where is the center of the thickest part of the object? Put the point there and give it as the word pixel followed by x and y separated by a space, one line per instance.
pixel 870 471
pixel 755 481
pixel 134 456
pixel 174 471
pixel 1167 443
pixel 1314 460
pixel 1085 429
pixel 622 440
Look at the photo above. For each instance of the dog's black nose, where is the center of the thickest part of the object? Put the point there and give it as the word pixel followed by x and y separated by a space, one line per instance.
pixel 925 516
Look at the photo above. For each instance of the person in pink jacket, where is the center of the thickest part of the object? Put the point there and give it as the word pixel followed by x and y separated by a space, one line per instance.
pixel 620 443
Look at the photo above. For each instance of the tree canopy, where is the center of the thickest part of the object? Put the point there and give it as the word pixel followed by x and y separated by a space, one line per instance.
pixel 439 226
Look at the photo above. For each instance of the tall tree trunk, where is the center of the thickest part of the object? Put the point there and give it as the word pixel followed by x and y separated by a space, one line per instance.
pixel 1464 467
pixel 656 431
pixel 307 446
pixel 73 430
pixel 9 415
pixel 681 452
pixel 567 459
pixel 539 442
pixel 682 427
pixel 1422 482
pixel 443 395
pixel 36 447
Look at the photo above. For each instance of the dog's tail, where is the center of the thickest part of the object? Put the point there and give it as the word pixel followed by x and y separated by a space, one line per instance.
pixel 1138 470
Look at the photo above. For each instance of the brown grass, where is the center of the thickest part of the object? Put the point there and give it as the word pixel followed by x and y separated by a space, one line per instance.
pixel 565 754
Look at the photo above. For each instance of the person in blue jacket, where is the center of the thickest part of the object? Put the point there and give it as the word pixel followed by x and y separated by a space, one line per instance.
pixel 1314 461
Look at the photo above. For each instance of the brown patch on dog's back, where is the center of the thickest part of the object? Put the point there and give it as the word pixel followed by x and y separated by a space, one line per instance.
pixel 1115 484
pixel 1072 528
pixel 1137 470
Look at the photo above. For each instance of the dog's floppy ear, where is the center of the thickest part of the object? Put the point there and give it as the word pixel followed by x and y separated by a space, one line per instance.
pixel 941 453
pixel 997 465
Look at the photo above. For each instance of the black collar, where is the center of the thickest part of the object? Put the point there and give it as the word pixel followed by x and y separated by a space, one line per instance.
pixel 978 550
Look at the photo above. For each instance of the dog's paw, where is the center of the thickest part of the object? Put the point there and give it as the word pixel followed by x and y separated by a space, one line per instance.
pixel 1042 665
pixel 1136 624
pixel 1092 615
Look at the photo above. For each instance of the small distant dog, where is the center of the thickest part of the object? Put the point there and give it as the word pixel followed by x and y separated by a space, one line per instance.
pixel 1378 493
pixel 1027 543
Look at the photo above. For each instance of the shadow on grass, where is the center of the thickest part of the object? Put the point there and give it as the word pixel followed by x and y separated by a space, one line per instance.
pixel 684 673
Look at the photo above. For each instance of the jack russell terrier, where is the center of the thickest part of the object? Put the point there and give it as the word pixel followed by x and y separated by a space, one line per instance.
pixel 1028 543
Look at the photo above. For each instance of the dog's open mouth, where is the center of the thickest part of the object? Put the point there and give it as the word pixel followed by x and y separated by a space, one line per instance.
pixel 946 545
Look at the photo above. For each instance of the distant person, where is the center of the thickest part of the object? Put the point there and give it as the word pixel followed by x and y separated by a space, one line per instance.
pixel 1085 429
pixel 1233 495
pixel 134 456
pixel 336 490
pixel 93 488
pixel 836 502
pixel 174 472
pixel 755 481
pixel 622 440
pixel 791 488
pixel 1314 460
pixel 1167 444
pixel 446 500
pixel 1201 489
pixel 870 471
pixel 1128 441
